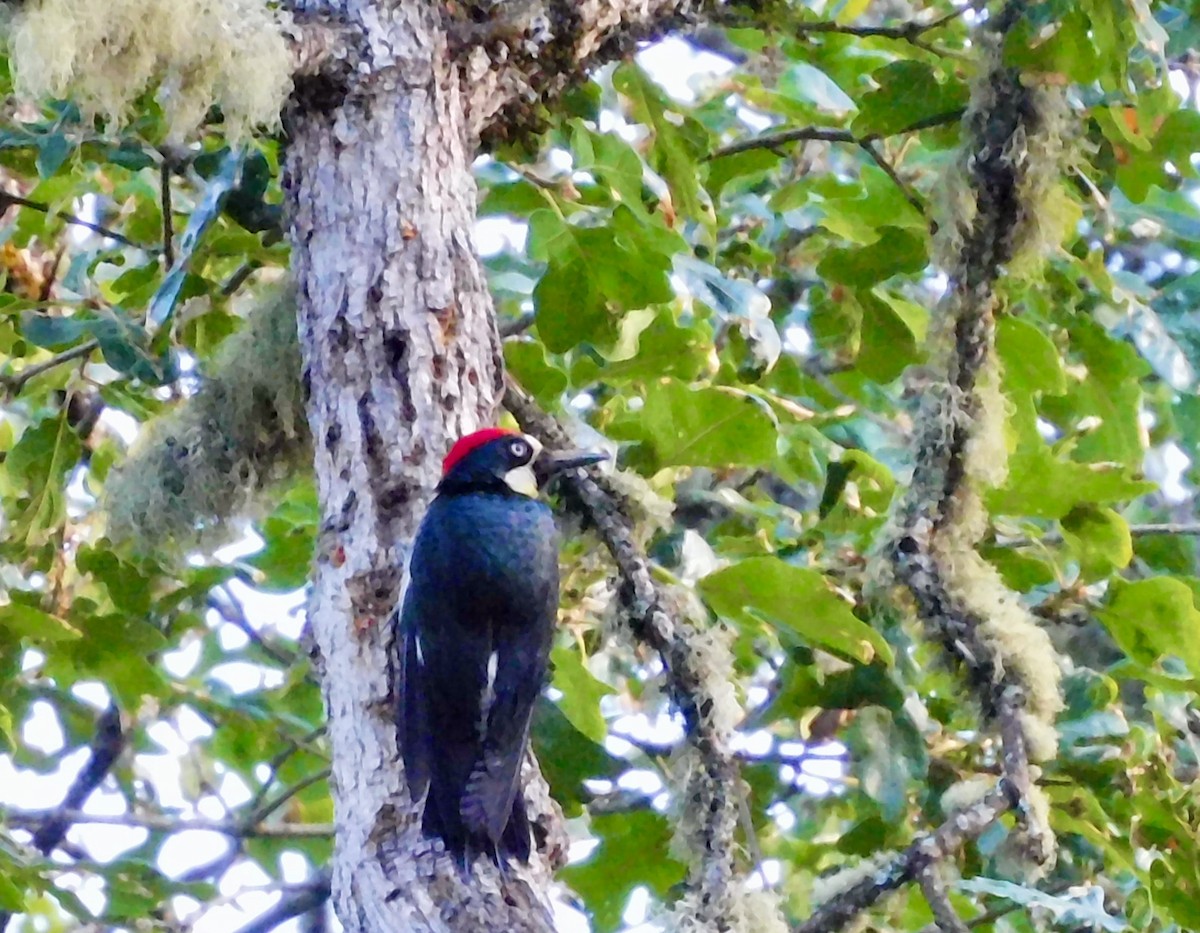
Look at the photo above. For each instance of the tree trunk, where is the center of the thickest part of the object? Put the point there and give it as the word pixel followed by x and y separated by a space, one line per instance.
pixel 401 355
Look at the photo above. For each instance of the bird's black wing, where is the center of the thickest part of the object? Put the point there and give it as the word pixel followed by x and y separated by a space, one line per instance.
pixel 412 717
pixel 440 738
pixel 491 799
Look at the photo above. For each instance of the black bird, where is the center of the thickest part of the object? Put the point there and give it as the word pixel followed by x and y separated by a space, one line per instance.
pixel 475 636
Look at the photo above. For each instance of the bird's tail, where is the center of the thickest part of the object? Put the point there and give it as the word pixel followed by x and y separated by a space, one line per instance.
pixel 515 840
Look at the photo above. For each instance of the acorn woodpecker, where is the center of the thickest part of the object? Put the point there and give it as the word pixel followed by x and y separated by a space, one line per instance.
pixel 475 634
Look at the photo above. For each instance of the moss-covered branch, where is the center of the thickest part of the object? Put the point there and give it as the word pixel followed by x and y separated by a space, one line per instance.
pixel 696 667
pixel 1006 172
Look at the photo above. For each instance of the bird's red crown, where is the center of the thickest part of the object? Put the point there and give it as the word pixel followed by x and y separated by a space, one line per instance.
pixel 464 445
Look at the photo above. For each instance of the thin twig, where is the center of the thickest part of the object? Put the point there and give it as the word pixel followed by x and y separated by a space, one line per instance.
pixel 519 325
pixel 16 382
pixel 288 794
pixel 1182 529
pixel 168 214
pixel 105 748
pixel 906 32
pixel 946 919
pixel 877 157
pixel 238 279
pixel 160 823
pixel 830 135
pixel 7 200
pixel 312 895
pixel 230 609
pixel 278 762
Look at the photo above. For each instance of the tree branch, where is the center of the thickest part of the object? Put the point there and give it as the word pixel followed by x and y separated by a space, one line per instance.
pixel 961 827
pixel 911 32
pixel 656 621
pixel 932 886
pixel 34 821
pixel 534 51
pixel 1147 530
pixel 168 214
pixel 531 51
pixel 937 522
pixel 14 383
pixel 8 200
pixel 309 896
pixel 781 138
pixel 105 748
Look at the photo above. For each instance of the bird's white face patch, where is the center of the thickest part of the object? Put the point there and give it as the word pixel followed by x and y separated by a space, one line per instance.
pixel 522 480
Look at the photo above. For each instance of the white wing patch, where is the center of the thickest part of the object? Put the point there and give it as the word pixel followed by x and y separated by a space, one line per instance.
pixel 489 692
pixel 420 653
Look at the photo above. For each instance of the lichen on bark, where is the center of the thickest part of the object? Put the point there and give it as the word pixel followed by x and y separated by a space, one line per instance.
pixel 1000 195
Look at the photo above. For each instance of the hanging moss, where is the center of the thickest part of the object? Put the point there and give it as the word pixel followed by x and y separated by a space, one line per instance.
pixel 201 53
pixel 198 468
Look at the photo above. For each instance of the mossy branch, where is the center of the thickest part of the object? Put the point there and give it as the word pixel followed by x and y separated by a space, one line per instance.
pixel 1008 167
pixel 903 868
pixel 714 787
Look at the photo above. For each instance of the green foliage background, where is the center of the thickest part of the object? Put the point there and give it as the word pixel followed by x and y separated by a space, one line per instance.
pixel 745 325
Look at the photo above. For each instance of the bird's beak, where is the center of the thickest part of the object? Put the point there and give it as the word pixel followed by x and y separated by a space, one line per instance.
pixel 549 465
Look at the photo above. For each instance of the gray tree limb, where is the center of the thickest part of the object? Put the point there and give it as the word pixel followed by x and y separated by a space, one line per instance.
pixel 400 355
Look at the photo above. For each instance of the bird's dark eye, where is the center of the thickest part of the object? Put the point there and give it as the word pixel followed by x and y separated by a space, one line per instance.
pixel 520 450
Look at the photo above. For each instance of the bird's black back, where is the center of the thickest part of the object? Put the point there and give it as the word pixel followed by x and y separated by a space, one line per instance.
pixel 483 581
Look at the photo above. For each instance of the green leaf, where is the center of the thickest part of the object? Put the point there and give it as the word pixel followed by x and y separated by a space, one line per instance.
pixel 286 560
pixel 652 345
pixel 129 589
pixel 1071 911
pixel 1031 361
pixel 896 251
pixel 906 93
pixel 53 332
pixel 220 184
pixel 42 457
pixel 805 687
pixel 795 599
pixel 12 898
pixel 38 626
pixel 633 851
pixel 803 82
pixel 705 426
pixel 861 212
pixel 53 150
pixel 1067 48
pixel 526 360
pixel 1111 393
pixel 568 758
pixel 581 693
pixel 887 344
pixel 1100 540
pixel 593 274
pixel 612 161
pixel 678 141
pixel 1153 619
pixel 1041 484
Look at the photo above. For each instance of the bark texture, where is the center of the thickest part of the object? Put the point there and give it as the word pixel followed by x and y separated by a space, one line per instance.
pixel 400 356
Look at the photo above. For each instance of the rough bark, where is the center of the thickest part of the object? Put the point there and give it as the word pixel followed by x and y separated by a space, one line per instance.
pixel 400 356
